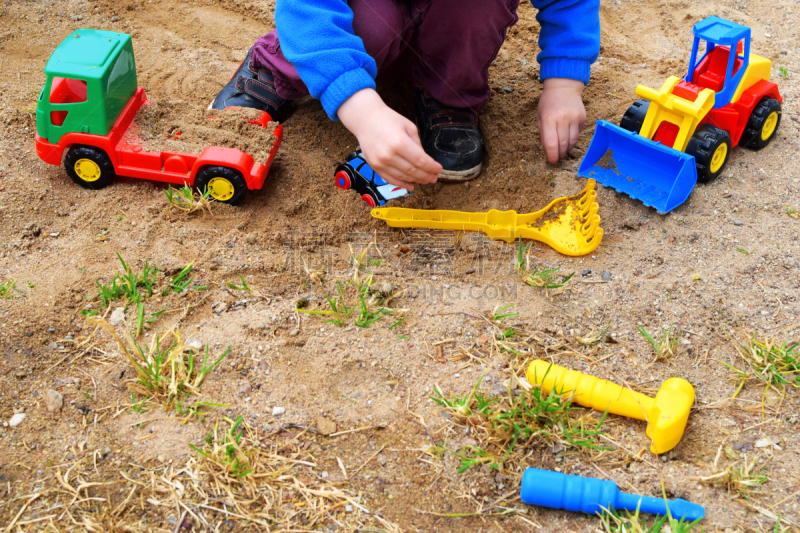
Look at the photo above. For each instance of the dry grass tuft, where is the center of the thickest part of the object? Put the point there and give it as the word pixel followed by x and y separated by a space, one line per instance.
pixel 166 370
pixel 188 201
pixel 614 522
pixel 663 344
pixel 548 279
pixel 236 482
pixel 744 479
pixel 595 336
pixel 775 364
pixel 506 425
pixel 270 485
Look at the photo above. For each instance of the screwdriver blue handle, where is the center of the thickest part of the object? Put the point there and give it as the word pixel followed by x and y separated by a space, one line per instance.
pixel 590 495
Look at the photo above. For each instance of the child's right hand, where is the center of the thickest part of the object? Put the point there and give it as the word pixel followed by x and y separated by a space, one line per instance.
pixel 389 141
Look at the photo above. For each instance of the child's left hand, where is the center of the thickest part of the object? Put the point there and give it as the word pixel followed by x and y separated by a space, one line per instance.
pixel 561 116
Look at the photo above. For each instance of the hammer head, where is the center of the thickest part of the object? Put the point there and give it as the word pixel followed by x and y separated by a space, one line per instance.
pixel 668 416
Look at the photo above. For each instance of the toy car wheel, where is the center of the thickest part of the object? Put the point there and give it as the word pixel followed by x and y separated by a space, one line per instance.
pixel 89 167
pixel 343 179
pixel 369 199
pixel 223 184
pixel 763 124
pixel 711 148
pixel 633 118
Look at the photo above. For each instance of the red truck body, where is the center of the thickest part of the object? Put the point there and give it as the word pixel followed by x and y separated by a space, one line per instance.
pixel 130 159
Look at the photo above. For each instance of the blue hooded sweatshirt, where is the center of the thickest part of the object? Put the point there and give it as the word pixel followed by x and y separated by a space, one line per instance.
pixel 317 38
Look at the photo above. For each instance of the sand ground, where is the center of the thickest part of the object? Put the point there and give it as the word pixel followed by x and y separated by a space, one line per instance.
pixel 725 263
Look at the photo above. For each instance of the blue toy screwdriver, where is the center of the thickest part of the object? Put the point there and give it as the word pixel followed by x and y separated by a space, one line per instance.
pixel 591 495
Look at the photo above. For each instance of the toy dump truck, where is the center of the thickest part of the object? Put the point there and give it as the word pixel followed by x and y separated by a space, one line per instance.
pixel 87 106
pixel 684 132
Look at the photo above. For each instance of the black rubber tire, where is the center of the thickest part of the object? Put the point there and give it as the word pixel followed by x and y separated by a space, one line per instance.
pixel 703 145
pixel 234 176
pixel 633 118
pixel 751 138
pixel 100 158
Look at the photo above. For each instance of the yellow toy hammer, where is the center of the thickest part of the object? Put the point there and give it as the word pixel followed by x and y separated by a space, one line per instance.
pixel 666 414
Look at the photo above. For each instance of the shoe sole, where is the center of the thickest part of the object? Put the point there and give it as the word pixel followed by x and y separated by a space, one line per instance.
pixel 458 176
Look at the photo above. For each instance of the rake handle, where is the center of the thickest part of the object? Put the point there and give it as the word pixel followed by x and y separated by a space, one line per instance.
pixel 590 391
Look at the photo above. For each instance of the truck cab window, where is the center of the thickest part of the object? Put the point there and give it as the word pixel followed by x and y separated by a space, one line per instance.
pixel 67 91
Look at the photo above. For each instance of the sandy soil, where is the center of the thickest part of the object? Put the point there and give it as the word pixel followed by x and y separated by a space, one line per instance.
pixel 178 127
pixel 726 260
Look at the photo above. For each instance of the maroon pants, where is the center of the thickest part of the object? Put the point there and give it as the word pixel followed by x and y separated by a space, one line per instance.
pixel 451 42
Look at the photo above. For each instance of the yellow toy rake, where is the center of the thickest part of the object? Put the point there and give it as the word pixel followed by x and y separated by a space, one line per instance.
pixel 569 225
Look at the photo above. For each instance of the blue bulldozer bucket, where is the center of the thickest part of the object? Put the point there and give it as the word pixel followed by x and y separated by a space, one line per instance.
pixel 659 176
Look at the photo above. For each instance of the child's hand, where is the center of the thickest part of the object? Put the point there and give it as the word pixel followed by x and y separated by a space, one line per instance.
pixel 389 141
pixel 561 116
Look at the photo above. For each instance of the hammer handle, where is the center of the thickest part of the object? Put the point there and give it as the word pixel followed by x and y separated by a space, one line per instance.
pixel 589 391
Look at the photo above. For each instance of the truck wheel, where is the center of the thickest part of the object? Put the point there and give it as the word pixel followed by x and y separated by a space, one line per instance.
pixel 763 124
pixel 710 147
pixel 343 177
pixel 89 167
pixel 633 118
pixel 370 199
pixel 223 184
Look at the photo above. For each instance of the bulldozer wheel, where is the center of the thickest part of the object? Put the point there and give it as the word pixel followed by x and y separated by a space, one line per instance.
pixel 763 124
pixel 711 148
pixel 633 118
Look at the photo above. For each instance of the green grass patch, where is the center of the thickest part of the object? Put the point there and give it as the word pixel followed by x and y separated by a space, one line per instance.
pixel 243 287
pixel 508 423
pixel 548 279
pixel 181 281
pixel 664 344
pixel 354 300
pixel 225 448
pixel 775 364
pixel 167 371
pixel 7 289
pixel 131 285
pixel 187 200
pixel 612 521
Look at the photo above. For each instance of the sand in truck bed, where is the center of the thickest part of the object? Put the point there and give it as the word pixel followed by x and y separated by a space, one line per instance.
pixel 173 127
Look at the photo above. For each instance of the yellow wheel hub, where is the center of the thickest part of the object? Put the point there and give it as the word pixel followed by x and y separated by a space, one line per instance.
pixel 221 189
pixel 87 170
pixel 769 126
pixel 720 156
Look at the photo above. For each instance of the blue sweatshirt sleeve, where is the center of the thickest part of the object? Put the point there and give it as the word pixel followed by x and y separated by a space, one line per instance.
pixel 317 38
pixel 569 38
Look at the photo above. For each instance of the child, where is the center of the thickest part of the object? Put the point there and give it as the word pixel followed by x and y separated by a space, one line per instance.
pixel 334 49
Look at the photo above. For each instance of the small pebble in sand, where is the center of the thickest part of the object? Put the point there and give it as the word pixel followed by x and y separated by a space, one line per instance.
pixel 194 344
pixel 54 401
pixel 325 426
pixel 117 316
pixel 17 419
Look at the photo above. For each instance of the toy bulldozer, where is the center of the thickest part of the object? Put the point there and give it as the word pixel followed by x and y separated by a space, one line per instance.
pixel 684 132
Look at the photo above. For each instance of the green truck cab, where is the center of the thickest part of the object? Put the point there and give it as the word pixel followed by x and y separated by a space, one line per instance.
pixel 91 77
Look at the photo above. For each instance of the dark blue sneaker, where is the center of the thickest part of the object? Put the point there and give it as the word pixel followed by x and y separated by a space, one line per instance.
pixel 251 88
pixel 450 135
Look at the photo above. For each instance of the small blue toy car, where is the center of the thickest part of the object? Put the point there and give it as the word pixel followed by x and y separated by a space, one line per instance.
pixel 356 174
